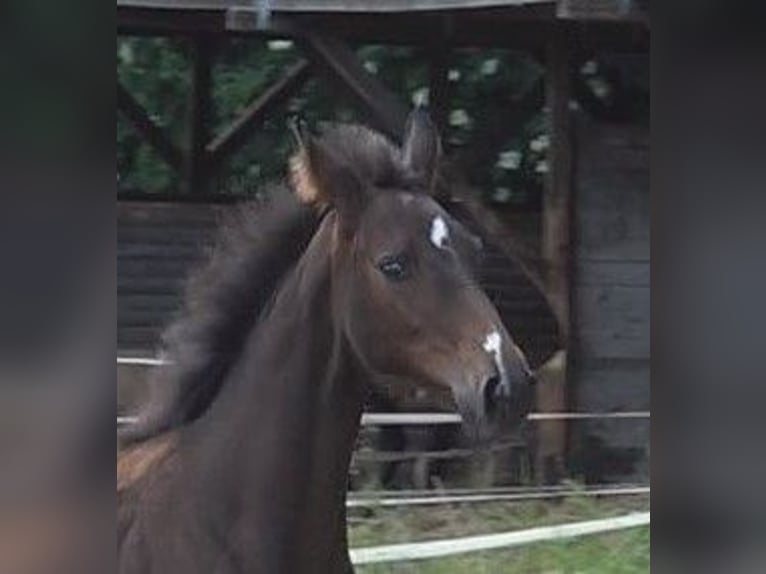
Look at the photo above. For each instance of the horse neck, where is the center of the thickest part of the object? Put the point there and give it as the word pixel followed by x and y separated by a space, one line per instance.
pixel 292 414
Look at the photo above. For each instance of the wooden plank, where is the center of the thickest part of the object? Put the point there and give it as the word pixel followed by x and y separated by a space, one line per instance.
pixel 615 273
pixel 515 27
pixel 152 268
pixel 151 215
pixel 330 5
pixel 608 146
pixel 613 247
pixel 625 10
pixel 196 169
pixel 395 5
pixel 145 126
pixel 148 301
pixel 339 62
pixel 138 339
pixel 613 218
pixel 188 252
pixel 171 234
pixel 180 4
pixel 613 385
pixel 235 135
pixel 520 28
pixel 150 285
pixel 613 321
pixel 169 213
pixel 154 318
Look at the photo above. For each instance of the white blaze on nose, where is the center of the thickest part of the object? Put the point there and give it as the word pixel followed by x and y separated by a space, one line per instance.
pixel 439 232
pixel 492 345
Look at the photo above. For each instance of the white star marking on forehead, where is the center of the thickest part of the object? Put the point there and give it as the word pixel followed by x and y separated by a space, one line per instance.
pixel 439 232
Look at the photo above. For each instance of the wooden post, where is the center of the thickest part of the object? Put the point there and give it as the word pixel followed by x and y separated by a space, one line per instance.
pixel 196 171
pixel 556 243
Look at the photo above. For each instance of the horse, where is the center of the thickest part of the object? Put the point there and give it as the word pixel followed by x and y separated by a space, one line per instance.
pixel 239 462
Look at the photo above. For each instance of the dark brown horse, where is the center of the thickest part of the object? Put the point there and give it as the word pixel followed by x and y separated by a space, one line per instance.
pixel 240 463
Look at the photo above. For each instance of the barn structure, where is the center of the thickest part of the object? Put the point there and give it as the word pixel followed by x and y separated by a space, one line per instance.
pixel 575 277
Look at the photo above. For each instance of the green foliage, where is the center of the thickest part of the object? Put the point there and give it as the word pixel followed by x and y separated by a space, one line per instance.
pixel 156 72
pixel 482 83
pixel 488 83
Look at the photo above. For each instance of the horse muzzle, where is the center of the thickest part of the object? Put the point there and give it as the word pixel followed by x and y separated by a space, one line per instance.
pixel 497 401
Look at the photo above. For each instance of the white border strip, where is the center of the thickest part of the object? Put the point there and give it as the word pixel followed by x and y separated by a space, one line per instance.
pixel 370 502
pixel 450 547
pixel 146 361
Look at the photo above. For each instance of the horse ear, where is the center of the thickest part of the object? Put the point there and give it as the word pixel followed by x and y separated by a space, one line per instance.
pixel 301 173
pixel 421 149
pixel 320 178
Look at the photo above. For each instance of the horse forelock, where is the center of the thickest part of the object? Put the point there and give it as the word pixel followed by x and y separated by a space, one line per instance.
pixel 375 158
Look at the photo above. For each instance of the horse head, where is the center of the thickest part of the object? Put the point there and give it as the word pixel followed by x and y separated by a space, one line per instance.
pixel 405 294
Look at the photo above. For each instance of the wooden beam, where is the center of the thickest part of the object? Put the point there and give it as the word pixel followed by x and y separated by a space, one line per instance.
pixel 339 62
pixel 620 10
pixel 525 27
pixel 133 20
pixel 237 133
pixel 145 126
pixel 195 160
pixel 556 236
pixel 335 5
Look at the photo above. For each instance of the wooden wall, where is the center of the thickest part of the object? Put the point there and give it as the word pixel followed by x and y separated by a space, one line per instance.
pixel 610 358
pixel 157 245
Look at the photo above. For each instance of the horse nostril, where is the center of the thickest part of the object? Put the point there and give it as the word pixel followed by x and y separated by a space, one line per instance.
pixel 493 393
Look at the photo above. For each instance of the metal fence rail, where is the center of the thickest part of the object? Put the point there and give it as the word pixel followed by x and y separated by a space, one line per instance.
pixel 503 540
pixel 414 419
pixel 436 498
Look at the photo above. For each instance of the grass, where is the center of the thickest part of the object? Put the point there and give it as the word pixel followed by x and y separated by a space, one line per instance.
pixel 623 552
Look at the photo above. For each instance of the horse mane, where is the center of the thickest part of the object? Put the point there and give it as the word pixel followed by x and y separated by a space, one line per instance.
pixel 258 244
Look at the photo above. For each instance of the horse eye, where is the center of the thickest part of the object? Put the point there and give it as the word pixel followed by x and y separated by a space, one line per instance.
pixel 394 267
